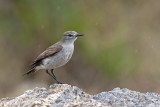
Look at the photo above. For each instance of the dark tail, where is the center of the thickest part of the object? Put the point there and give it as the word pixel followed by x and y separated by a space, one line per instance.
pixel 30 71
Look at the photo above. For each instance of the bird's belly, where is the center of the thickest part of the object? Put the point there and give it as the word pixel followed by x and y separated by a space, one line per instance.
pixel 57 60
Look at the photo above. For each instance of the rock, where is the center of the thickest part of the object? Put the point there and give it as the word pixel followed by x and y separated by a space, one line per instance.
pixel 127 98
pixel 63 95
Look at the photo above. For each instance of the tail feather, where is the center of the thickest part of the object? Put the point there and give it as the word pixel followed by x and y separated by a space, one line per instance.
pixel 30 71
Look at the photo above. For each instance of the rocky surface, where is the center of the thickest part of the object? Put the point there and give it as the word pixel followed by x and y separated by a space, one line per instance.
pixel 63 95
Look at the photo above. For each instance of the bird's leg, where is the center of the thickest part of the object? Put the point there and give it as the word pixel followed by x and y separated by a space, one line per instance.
pixel 58 82
pixel 52 75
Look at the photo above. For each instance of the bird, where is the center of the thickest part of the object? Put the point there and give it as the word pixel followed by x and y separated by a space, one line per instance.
pixel 55 56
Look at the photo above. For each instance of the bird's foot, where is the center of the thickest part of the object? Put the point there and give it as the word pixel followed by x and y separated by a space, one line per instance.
pixel 58 82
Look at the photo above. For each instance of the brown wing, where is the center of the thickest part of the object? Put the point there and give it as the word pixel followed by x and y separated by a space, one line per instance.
pixel 52 50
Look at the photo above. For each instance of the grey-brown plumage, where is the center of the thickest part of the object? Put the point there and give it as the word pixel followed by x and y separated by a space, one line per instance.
pixel 51 51
pixel 56 55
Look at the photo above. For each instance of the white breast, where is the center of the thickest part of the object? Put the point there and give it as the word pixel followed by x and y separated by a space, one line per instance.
pixel 60 58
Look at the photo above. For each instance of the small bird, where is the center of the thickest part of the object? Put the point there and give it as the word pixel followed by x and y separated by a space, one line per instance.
pixel 56 55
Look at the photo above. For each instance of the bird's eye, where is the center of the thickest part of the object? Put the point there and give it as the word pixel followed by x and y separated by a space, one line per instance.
pixel 70 35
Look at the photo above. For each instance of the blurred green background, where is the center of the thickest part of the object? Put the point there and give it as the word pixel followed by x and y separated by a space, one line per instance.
pixel 121 46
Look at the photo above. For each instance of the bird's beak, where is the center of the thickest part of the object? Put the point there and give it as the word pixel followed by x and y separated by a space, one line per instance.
pixel 79 35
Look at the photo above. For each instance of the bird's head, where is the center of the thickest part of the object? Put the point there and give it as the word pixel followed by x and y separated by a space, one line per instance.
pixel 70 36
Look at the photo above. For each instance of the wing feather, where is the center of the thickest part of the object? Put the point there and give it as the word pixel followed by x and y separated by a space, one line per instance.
pixel 52 50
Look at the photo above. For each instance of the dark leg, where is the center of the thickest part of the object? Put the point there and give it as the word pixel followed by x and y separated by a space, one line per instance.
pixel 52 75
pixel 58 82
